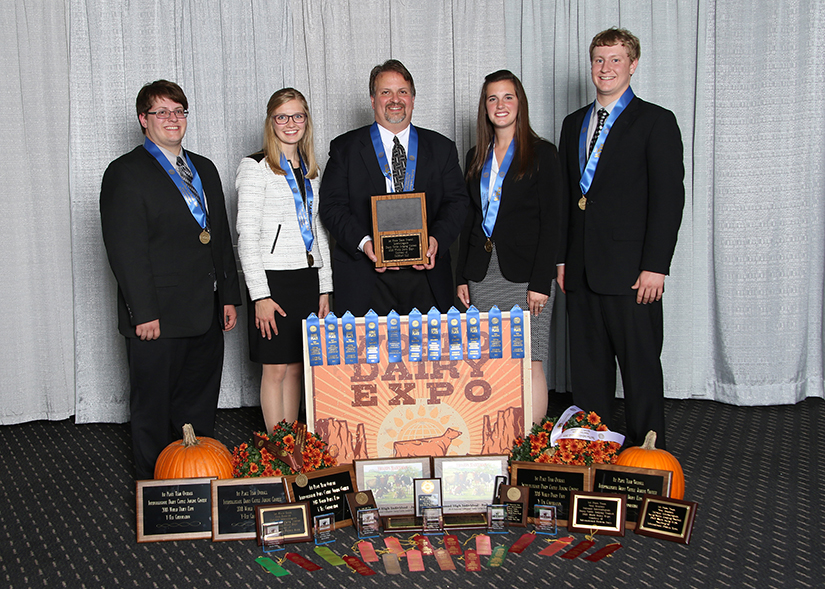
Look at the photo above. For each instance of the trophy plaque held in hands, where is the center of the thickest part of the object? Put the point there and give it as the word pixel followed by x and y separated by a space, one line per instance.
pixel 399 229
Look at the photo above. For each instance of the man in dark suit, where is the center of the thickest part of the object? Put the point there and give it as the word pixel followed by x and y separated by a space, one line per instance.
pixel 414 160
pixel 167 237
pixel 625 194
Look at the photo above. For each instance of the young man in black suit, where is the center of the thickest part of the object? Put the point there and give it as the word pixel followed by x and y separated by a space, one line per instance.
pixel 622 163
pixel 167 237
pixel 354 173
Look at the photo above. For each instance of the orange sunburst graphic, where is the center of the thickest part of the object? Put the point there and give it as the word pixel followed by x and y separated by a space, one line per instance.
pixel 443 403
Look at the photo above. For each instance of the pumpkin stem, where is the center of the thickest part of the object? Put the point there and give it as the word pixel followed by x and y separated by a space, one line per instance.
pixel 650 441
pixel 189 437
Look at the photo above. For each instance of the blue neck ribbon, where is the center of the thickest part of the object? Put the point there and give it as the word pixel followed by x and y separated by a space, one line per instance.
pixel 587 167
pixel 412 156
pixel 491 202
pixel 197 204
pixel 302 209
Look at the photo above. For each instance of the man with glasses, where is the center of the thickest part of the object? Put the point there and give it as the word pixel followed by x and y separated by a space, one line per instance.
pixel 168 242
pixel 412 160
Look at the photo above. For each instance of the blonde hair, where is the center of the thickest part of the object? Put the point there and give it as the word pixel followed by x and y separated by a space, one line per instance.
pixel 272 145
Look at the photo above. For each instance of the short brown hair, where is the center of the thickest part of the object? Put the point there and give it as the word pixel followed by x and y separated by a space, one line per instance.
pixel 157 90
pixel 391 65
pixel 617 36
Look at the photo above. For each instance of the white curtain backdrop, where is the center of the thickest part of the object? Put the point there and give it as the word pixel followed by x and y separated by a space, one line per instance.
pixel 743 307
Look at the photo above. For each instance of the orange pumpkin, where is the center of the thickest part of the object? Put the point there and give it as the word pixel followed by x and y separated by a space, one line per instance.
pixel 194 457
pixel 648 456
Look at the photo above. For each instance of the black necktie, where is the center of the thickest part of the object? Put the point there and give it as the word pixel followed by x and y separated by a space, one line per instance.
pixel 399 165
pixel 602 118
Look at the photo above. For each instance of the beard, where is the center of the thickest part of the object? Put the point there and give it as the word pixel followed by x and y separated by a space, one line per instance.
pixel 392 117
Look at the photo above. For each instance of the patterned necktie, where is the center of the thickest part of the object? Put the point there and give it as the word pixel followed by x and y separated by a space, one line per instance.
pixel 399 164
pixel 602 118
pixel 187 176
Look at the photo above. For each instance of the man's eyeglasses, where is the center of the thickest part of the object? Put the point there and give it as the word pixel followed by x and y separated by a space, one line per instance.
pixel 163 113
pixel 298 118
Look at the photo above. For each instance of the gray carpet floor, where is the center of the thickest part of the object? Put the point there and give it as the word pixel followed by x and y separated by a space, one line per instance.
pixel 67 514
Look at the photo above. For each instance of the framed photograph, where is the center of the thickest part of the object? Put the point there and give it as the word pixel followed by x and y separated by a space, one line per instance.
pixel 500 480
pixel 325 490
pixel 292 520
pixel 551 484
pixel 633 482
pixel 597 513
pixel 666 518
pixel 427 493
pixel 391 481
pixel 174 509
pixel 468 482
pixel 515 500
pixel 399 229
pixel 234 501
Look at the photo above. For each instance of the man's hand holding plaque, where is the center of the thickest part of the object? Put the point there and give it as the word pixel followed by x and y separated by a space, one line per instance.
pixel 399 223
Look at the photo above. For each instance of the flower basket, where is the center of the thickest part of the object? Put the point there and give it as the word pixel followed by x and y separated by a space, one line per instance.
pixel 248 460
pixel 577 438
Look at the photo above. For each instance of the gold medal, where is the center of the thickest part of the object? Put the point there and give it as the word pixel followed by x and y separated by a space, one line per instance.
pixel 301 480
pixel 513 494
pixel 361 498
pixel 205 237
pixel 310 259
pixel 488 247
pixel 583 202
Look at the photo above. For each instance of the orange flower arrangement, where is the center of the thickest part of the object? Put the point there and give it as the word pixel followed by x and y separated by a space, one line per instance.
pixel 537 446
pixel 249 461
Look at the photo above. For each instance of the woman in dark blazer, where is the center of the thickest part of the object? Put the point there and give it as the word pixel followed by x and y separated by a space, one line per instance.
pixel 507 252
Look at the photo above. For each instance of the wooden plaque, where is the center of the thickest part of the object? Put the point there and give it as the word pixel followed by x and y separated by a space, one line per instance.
pixel 633 482
pixel 597 513
pixel 173 509
pixel 551 484
pixel 325 490
pixel 234 501
pixel 666 519
pixel 399 229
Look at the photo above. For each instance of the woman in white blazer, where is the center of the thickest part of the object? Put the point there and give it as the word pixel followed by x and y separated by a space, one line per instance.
pixel 284 251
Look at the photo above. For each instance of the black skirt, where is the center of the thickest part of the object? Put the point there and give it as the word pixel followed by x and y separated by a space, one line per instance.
pixel 297 292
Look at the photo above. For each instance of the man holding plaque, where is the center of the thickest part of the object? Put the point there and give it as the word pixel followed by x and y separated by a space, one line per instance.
pixel 167 237
pixel 622 163
pixel 391 156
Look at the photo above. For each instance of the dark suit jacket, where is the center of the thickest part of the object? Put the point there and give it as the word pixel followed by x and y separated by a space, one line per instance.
pixel 352 176
pixel 162 269
pixel 634 205
pixel 527 228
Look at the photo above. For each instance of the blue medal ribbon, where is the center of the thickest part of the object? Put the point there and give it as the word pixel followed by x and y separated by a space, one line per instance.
pixel 196 204
pixel 587 167
pixel 371 337
pixel 473 333
pixel 350 340
pixel 393 337
pixel 412 157
pixel 333 347
pixel 454 334
pixel 302 210
pixel 494 332
pixel 414 334
pixel 516 332
pixel 313 327
pixel 433 335
pixel 491 202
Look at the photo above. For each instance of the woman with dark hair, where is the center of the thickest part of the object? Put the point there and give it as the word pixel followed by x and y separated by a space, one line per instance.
pixel 507 252
pixel 283 250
